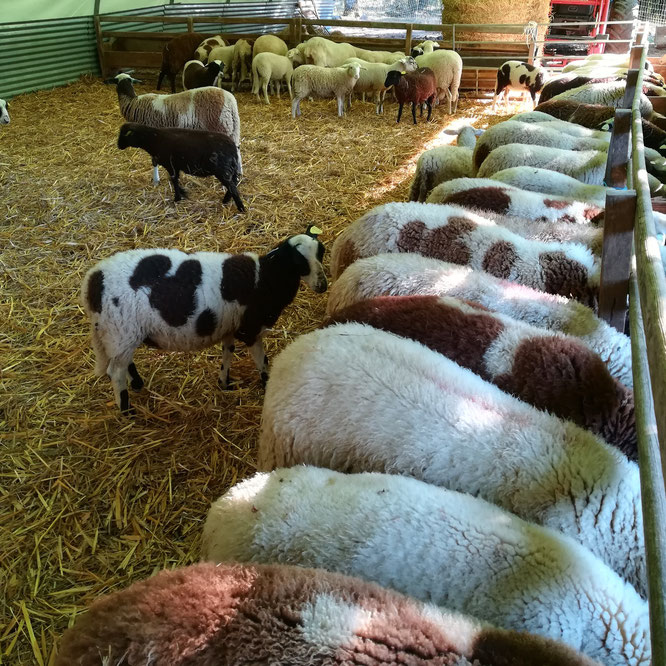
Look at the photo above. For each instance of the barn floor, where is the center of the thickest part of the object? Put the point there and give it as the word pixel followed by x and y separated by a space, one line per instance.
pixel 91 501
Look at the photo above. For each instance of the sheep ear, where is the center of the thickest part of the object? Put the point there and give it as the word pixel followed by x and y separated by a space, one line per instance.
pixel 136 80
pixel 435 45
pixel 313 231
pixel 606 127
pixel 663 146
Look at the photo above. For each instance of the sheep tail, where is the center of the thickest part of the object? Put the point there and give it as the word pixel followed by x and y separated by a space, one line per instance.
pixel 101 356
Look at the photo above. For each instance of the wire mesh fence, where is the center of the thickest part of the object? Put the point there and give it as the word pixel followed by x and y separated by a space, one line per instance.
pixel 418 11
pixel 653 11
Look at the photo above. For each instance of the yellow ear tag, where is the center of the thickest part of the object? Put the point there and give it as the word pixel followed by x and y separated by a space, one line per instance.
pixel 316 231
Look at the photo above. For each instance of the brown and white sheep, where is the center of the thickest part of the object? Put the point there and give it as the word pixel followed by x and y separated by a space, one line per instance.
pixel 553 372
pixel 234 613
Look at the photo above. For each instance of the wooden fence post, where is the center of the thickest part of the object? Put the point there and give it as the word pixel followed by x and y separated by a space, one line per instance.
pixel 532 53
pixel 616 257
pixel 100 47
pixel 408 40
pixel 636 53
pixel 190 24
pixel 630 90
pixel 619 150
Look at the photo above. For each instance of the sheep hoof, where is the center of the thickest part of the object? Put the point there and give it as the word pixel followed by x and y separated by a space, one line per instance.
pixel 137 384
pixel 228 385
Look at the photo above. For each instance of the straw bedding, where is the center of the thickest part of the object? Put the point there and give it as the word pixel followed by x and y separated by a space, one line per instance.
pixel 91 501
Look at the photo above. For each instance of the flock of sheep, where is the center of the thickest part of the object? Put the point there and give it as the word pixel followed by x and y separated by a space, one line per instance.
pixel 460 430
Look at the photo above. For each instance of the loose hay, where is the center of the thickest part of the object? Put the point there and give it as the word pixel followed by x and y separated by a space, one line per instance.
pixel 91 501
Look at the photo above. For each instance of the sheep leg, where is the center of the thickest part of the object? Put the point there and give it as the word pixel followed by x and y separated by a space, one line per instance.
pixel 101 357
pixel 160 79
pixel 341 105
pixel 295 107
pixel 265 88
pixel 117 371
pixel 228 349
pixel 156 173
pixel 260 359
pixel 414 112
pixel 399 112
pixel 277 89
pixel 137 381
pixel 289 87
pixel 172 78
pixel 232 193
pixel 178 192
pixel 429 104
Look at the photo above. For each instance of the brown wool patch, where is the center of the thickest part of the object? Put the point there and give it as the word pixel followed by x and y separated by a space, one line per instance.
pixel 347 255
pixel 411 236
pixel 448 242
pixel 484 198
pixel 480 155
pixel 569 219
pixel 564 276
pixel 554 203
pixel 499 259
pixel 592 213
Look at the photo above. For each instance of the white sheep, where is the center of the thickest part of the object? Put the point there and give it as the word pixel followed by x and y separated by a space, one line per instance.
pixel 332 620
pixel 296 56
pixel 381 403
pixel 467 137
pixel 317 81
pixel 226 55
pixel 435 545
pixel 267 67
pixel 409 274
pixel 385 57
pixel 490 195
pixel 606 94
pixel 521 76
pixel 326 53
pixel 241 63
pixel 428 46
pixel 207 108
pixel 455 234
pixel 447 67
pixel 4 112
pixel 182 302
pixel 438 165
pixel 373 75
pixel 269 44
pixel 204 49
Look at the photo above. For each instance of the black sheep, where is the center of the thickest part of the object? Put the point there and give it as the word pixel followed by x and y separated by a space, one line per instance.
pixel 195 152
pixel 415 87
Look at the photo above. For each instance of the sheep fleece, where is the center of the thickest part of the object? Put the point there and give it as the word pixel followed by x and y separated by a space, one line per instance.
pixel 411 274
pixel 452 233
pixel 204 614
pixel 449 548
pixel 550 371
pixel 353 398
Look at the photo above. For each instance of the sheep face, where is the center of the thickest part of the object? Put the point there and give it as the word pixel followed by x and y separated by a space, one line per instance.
pixel 4 112
pixel 392 77
pixel 353 70
pixel 308 253
pixel 296 57
pixel 129 136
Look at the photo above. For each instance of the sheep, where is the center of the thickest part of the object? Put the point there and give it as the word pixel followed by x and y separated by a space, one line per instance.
pixel 166 620
pixel 241 64
pixel 267 67
pixel 204 49
pixel 193 151
pixel 383 57
pixel 323 82
pixel 603 59
pixel 428 46
pixel 608 94
pixel 225 54
pixel 198 75
pixel 384 403
pixel 373 76
pixel 490 195
pixel 412 274
pixel 4 112
pixel 452 233
pixel 325 53
pixel 438 165
pixel 175 54
pixel 512 132
pixel 413 88
pixel 516 75
pixel 435 545
pixel 269 44
pixel 550 371
pixel 565 82
pixel 466 137
pixel 210 109
pixel 447 66
pixel 181 302
pixel 296 56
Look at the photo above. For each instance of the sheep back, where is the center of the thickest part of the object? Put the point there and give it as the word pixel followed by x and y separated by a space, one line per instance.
pixel 269 44
pixel 438 165
pixel 180 617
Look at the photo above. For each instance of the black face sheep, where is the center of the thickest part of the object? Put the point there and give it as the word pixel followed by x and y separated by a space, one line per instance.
pixel 175 54
pixel 4 112
pixel 192 151
pixel 414 87
pixel 198 75
pixel 208 614
pixel 183 302
pixel 516 75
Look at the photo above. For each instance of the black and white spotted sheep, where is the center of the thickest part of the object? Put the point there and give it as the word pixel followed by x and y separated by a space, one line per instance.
pixel 184 302
pixel 4 112
pixel 516 75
